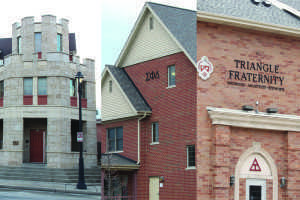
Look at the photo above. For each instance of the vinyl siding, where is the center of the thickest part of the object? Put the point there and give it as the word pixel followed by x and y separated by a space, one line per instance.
pixel 150 44
pixel 114 104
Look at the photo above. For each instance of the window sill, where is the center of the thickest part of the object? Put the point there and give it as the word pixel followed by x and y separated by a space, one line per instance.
pixel 190 168
pixel 154 143
pixel 113 152
pixel 172 86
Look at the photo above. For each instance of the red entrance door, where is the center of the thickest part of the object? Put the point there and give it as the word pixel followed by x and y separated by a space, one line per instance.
pixel 36 145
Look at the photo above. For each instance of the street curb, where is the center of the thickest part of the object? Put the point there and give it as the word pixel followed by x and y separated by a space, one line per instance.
pixel 48 190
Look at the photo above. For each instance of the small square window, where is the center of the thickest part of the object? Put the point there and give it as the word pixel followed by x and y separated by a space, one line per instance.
pixel 191 156
pixel 155 132
pixel 171 76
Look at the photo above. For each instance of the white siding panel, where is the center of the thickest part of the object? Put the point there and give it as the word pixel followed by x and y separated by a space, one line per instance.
pixel 150 44
pixel 114 104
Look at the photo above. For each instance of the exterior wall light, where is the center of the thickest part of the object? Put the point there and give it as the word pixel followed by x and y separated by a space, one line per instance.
pixel 282 182
pixel 247 108
pixel 271 110
pixel 232 179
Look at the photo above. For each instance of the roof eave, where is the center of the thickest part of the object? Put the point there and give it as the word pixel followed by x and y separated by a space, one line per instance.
pixel 247 24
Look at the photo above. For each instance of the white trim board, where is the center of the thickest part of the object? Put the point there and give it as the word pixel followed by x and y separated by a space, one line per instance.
pixel 260 120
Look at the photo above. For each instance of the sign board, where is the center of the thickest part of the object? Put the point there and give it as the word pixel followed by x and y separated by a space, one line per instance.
pixel 204 68
pixel 79 136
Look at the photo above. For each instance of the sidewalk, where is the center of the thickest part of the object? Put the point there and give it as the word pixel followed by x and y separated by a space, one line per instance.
pixel 49 186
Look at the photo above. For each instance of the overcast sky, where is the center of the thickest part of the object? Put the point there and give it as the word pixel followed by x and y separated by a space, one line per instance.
pixel 99 25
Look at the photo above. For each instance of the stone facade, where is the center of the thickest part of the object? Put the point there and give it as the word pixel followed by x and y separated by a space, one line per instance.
pixel 57 67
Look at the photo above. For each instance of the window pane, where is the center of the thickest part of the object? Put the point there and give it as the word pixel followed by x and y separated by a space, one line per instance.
pixel 191 156
pixel 27 86
pixel 38 42
pixel 59 42
pixel 119 139
pixel 19 40
pixel 72 88
pixel 42 86
pixel 83 85
pixel 111 139
pixel 155 132
pixel 171 75
pixel 1 89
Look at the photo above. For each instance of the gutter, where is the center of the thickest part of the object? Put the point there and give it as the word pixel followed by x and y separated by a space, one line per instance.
pixel 285 7
pixel 139 133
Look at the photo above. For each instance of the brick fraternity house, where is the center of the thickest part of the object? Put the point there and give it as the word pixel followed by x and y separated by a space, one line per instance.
pixel 205 104
pixel 38 96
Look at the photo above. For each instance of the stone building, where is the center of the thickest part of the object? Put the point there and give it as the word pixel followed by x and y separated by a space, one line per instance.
pixel 39 109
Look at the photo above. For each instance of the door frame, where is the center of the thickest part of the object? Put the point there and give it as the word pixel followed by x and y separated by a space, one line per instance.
pixel 256 182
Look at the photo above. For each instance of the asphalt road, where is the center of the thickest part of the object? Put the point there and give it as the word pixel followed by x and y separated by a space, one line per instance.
pixel 6 194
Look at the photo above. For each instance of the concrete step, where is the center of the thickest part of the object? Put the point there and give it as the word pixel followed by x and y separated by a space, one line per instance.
pixel 48 175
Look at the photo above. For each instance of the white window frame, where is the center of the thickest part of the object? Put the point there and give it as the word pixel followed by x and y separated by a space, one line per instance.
pixel 152 133
pixel 187 157
pixel 256 182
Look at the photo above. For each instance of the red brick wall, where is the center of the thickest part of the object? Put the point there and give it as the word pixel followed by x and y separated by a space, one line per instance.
pixel 129 137
pixel 175 110
pixel 222 45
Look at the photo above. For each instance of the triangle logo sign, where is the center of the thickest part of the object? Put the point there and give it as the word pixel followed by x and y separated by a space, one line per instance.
pixel 255 166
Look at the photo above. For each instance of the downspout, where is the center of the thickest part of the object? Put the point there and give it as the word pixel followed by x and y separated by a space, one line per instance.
pixel 139 133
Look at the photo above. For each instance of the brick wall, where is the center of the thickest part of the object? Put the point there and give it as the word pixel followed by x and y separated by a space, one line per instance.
pixel 129 137
pixel 174 109
pixel 222 45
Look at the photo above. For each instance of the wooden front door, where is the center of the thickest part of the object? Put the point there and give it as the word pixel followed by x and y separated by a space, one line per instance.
pixel 153 188
pixel 36 145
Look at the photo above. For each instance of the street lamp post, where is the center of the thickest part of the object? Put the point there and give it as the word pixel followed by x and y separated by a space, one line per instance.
pixel 81 183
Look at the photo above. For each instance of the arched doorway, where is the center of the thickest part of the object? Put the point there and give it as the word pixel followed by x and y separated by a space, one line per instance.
pixel 256 175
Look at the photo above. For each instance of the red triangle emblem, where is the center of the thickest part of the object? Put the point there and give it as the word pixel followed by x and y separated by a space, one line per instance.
pixel 255 166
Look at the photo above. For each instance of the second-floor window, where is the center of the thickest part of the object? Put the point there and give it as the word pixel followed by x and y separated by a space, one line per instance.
pixel 171 76
pixel 191 159
pixel 19 45
pixel 83 89
pixel 1 89
pixel 27 86
pixel 27 92
pixel 59 42
pixel 37 42
pixel 72 87
pixel 42 86
pixel 155 132
pixel 115 139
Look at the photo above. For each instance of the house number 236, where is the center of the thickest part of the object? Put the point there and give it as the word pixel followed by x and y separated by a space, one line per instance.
pixel 152 75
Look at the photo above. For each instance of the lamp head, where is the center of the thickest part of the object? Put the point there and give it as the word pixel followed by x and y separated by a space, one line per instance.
pixel 79 76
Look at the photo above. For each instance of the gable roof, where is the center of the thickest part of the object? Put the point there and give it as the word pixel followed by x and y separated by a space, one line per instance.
pixel 130 90
pixel 180 23
pixel 246 9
